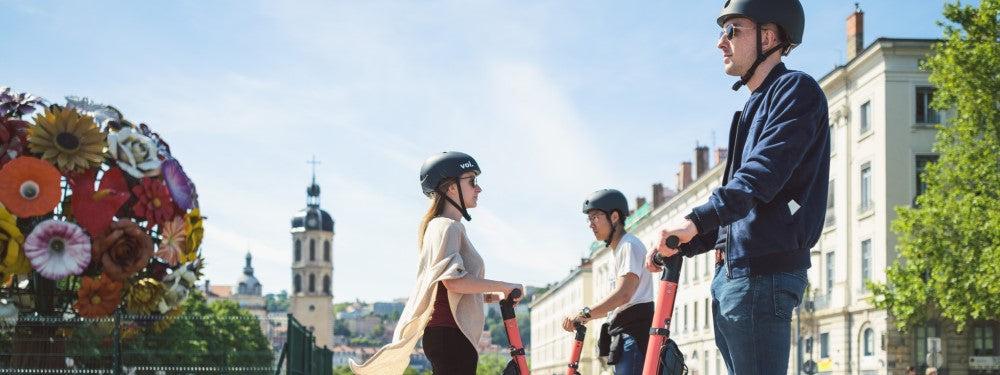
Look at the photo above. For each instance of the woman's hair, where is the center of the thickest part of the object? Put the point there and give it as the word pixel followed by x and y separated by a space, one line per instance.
pixel 437 206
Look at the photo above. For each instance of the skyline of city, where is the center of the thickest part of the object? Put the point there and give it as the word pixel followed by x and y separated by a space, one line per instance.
pixel 247 94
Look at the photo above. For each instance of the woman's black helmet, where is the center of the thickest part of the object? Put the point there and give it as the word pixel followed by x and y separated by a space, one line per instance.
pixel 449 164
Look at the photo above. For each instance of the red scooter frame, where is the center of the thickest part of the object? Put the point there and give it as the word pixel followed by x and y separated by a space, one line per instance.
pixel 659 356
pixel 518 365
pixel 574 361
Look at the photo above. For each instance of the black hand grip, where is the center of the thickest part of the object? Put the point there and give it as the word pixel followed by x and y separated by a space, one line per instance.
pixel 515 293
pixel 673 242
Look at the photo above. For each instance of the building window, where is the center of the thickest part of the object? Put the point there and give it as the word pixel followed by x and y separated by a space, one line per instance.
pixel 833 142
pixel 869 345
pixel 298 284
pixel 920 335
pixel 685 318
pixel 921 164
pixel 312 283
pixel 866 188
pixel 829 273
pixel 709 261
pixel 866 117
pixel 830 218
pixel 866 263
pixel 326 251
pixel 824 345
pixel 984 340
pixel 694 272
pixel 298 250
pixel 694 316
pixel 708 308
pixel 312 249
pixel 326 284
pixel 926 114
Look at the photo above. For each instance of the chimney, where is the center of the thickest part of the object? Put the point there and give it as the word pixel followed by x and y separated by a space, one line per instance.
pixel 700 161
pixel 720 155
pixel 658 195
pixel 684 176
pixel 661 195
pixel 855 33
pixel 639 201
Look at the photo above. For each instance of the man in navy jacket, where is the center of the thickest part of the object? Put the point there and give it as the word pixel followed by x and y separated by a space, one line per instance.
pixel 769 211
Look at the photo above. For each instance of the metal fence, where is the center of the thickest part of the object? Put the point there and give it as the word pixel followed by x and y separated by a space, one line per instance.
pixel 301 354
pixel 125 344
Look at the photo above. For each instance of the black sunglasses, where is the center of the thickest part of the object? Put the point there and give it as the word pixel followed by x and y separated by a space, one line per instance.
pixel 730 31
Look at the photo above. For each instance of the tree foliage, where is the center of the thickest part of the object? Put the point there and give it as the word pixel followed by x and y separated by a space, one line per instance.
pixel 949 243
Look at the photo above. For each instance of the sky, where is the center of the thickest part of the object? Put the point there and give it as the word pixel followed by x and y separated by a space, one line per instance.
pixel 554 99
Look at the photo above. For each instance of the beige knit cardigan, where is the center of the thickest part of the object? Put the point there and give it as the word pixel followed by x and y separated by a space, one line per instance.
pixel 446 254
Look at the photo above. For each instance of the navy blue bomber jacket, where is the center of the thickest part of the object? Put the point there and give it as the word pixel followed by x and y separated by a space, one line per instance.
pixel 771 206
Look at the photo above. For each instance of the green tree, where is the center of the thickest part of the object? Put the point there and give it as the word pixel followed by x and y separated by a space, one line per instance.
pixel 378 331
pixel 277 302
pixel 340 328
pixel 491 364
pixel 949 243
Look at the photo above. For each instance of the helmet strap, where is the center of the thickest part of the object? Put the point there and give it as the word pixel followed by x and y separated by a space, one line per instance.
pixel 461 208
pixel 607 242
pixel 761 56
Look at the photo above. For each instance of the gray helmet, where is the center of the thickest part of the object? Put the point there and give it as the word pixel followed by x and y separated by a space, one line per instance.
pixel 786 13
pixel 607 200
pixel 449 164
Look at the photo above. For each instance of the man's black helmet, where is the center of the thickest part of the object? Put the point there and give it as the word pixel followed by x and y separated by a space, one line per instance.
pixel 449 164
pixel 607 200
pixel 786 13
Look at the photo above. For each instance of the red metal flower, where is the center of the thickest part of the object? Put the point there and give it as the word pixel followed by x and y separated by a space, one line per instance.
pixel 93 210
pixel 155 204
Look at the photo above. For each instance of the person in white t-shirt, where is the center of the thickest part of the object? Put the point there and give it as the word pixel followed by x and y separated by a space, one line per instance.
pixel 630 304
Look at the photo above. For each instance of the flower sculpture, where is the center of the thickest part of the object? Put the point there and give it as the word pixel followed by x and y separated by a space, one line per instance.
pixel 65 138
pixel 96 215
pixel 123 249
pixel 58 249
pixel 173 249
pixel 13 138
pixel 29 186
pixel 12 259
pixel 136 154
pixel 98 297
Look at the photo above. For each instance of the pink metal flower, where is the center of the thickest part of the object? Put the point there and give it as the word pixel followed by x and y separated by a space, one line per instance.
pixel 172 246
pixel 57 249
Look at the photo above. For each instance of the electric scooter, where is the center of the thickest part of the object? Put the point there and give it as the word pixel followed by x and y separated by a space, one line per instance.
pixel 518 365
pixel 574 360
pixel 663 357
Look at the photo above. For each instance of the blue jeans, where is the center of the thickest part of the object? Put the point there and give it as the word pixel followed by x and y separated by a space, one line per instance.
pixel 632 357
pixel 753 320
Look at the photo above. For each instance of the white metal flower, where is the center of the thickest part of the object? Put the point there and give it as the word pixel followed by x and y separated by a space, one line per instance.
pixel 100 112
pixel 179 285
pixel 136 153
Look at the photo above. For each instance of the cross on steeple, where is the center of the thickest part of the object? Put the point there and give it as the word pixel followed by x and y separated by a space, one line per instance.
pixel 313 162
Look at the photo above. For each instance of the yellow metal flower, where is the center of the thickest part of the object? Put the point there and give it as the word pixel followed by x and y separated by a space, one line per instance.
pixel 68 140
pixel 12 258
pixel 195 233
pixel 145 297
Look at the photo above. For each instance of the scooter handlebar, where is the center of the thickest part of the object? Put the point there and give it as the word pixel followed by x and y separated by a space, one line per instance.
pixel 672 242
pixel 514 293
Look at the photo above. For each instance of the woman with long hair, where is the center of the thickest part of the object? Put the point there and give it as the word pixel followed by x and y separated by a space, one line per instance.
pixel 446 306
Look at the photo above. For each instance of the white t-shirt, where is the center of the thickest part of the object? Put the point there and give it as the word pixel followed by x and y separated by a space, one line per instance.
pixel 630 257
